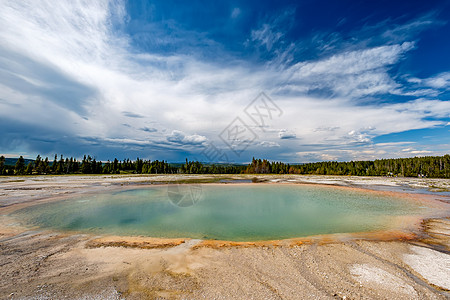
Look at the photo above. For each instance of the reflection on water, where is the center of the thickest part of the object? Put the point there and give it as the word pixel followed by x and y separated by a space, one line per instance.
pixel 228 212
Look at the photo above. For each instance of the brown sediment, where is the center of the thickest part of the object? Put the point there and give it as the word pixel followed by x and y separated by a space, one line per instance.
pixel 134 242
pixel 436 233
pixel 155 243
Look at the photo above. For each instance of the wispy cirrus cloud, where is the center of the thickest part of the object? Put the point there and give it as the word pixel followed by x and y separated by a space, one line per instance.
pixel 265 36
pixel 351 74
pixel 235 13
pixel 440 81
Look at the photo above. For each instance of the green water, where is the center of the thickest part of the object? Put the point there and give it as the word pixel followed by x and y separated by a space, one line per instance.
pixel 226 212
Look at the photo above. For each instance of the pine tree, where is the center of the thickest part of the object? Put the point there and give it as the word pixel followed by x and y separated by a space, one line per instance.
pixel 20 166
pixel 45 166
pixel 55 163
pixel 38 165
pixel 29 169
pixel 115 166
pixel 60 166
pixel 139 165
pixel 86 167
pixel 2 164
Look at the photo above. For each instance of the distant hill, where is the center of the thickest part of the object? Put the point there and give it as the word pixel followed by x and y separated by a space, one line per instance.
pixel 12 161
pixel 179 164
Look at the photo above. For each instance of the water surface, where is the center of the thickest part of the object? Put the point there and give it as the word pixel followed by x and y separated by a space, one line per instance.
pixel 226 212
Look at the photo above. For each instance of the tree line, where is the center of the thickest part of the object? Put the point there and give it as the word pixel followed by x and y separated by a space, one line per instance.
pixel 428 166
pixel 89 165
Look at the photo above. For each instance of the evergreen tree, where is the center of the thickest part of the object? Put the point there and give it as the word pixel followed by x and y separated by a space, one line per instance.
pixel 430 166
pixel 2 164
pixel 29 169
pixel 20 166
pixel 67 166
pixel 139 165
pixel 46 166
pixel 116 166
pixel 37 164
pixel 55 164
pixel 60 166
pixel 86 167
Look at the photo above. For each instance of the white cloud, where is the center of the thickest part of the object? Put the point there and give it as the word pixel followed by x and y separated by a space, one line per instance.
pixel 267 144
pixel 180 137
pixel 265 36
pixel 235 13
pixel 355 62
pixel 148 129
pixel 369 152
pixel 358 136
pixel 325 156
pixel 412 151
pixel 394 144
pixel 439 81
pixel 405 31
pixel 352 73
pixel 286 134
pixel 428 87
pixel 424 152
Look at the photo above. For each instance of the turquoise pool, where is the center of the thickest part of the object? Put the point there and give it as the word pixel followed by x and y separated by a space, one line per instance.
pixel 239 212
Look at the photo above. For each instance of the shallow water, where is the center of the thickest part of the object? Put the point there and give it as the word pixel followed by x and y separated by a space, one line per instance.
pixel 225 212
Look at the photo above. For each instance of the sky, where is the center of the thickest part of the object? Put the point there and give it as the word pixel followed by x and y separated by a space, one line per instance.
pixel 223 81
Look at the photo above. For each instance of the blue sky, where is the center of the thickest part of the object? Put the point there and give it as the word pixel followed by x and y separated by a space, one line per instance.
pixel 344 80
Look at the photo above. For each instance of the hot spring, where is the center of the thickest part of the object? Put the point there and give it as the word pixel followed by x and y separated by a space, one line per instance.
pixel 237 212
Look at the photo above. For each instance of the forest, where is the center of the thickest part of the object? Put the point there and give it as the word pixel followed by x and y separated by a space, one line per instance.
pixel 427 166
